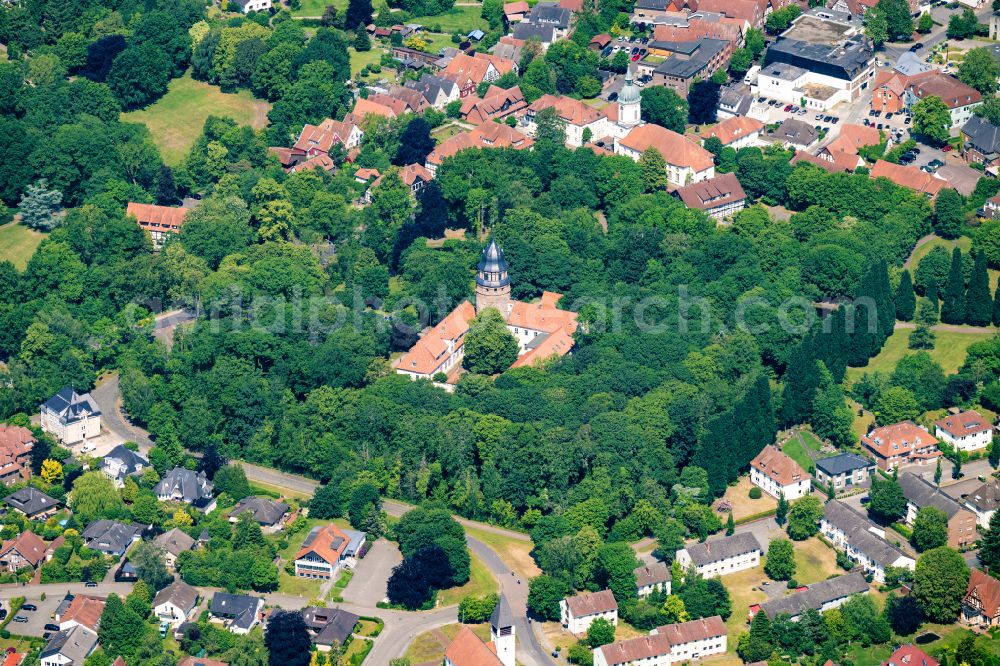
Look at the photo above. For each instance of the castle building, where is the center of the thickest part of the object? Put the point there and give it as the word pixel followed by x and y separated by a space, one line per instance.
pixel 542 330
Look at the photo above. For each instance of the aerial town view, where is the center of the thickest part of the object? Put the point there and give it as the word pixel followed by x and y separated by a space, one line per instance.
pixel 485 333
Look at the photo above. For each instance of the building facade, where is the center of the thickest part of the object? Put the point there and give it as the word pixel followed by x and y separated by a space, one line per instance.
pixel 718 557
pixel 778 475
pixel 577 612
pixel 965 431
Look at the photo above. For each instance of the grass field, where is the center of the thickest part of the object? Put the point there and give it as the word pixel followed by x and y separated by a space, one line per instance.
pixel 515 553
pixel 964 243
pixel 301 587
pixel 950 636
pixel 446 131
pixel 317 7
pixel 360 59
pixel 949 351
pixel 743 595
pixel 177 119
pixel 739 497
pixel 801 446
pixel 814 561
pixel 18 243
pixel 481 582
pixel 427 647
pixel 456 19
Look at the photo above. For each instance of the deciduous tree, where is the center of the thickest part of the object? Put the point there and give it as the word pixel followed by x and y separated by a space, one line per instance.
pixel 490 347
pixel 939 584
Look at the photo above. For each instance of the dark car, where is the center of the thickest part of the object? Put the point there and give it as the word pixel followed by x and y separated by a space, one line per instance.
pixel 888 115
pixel 914 150
pixel 90 583
pixel 612 97
pixel 52 627
pixel 878 114
pixel 917 47
pixel 835 120
pixel 871 114
pixel 827 119
pixel 29 607
pixel 865 499
pixel 3 614
pixel 936 164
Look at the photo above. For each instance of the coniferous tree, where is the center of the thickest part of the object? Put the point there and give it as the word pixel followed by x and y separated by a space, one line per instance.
pixel 166 190
pixel 885 302
pixel 800 382
pixel 359 14
pixel 781 513
pixel 978 303
pixel 730 525
pixel 831 344
pixel 956 468
pixel 906 299
pixel 937 472
pixel 953 304
pixel 989 548
pixel 760 644
pixel 996 307
pixel 994 456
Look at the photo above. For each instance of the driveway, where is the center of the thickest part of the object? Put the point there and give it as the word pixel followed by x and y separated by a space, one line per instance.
pixel 368 585
pixel 108 397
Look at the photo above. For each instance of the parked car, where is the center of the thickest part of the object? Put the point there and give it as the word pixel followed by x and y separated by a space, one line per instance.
pixel 20 618
pixel 635 57
pixel 914 150
pixel 878 114
pixel 917 47
pixel 888 115
pixel 867 122
pixel 612 97
pixel 871 114
pixel 787 108
pixel 52 627
pixel 29 607
pixel 936 163
pixel 834 120
pixel 946 149
pixel 865 499
pixel 90 583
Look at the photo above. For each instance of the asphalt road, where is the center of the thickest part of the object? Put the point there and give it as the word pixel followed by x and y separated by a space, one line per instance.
pixel 108 395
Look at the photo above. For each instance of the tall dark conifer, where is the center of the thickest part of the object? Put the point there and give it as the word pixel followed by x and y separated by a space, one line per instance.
pixel 800 382
pixel 953 304
pixel 884 300
pixel 906 300
pixel 978 302
pixel 996 307
pixel 831 343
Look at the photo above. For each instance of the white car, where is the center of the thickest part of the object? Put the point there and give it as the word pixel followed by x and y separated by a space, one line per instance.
pixel 87 448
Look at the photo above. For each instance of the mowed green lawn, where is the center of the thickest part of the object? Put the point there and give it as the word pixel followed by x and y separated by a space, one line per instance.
pixel 456 19
pixel 177 119
pixel 18 243
pixel 317 7
pixel 949 351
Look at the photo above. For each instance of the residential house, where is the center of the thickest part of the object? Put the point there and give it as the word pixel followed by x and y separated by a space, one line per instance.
pixel 921 493
pixel 689 62
pixel 735 132
pixel 267 513
pixel 469 71
pixel 32 502
pixel 329 627
pixel 900 443
pixel 69 648
pixel 16 444
pixel 687 162
pixel 862 541
pixel 161 222
pixel 467 649
pixel 726 555
pixel 25 550
pixel 579 611
pixel 414 176
pixel 239 613
pixel 509 48
pixel 321 162
pixel 679 643
pixel 981 603
pixel 845 471
pixel 890 85
pixel 15 658
pixel 121 463
pixel 720 197
pixel 793 133
pixel 247 6
pixel 187 486
pixel 821 596
pixel 958 97
pixel 843 150
pixel 965 431
pixel 321 552
pixel 737 100
pixel 838 164
pixel 578 116
pixel 542 330
pixel 515 12
pixel 438 91
pixel 487 135
pixel 319 140
pixel 174 543
pixel 777 474
pixel 991 208
pixel 176 603
pixel 496 104
pixel 413 58
pixel 910 177
pixel 910 655
pixel 544 34
pixel 112 537
pixel 71 417
pixel 983 501
pixel 981 143
pixel 552 15
pixel 651 578
pixel 83 610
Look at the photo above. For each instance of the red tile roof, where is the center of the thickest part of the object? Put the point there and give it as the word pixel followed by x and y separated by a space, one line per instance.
pixel 28 545
pixel 157 218
pixel 695 630
pixel 487 135
pixel 431 350
pixel 573 111
pixel 910 655
pixel 468 650
pixel 409 175
pixel 909 177
pixel 778 466
pixel 84 610
pixel 733 128
pixel 673 147
pixel 709 194
pixel 898 439
pixel 986 588
pixel 329 544
pixel 969 422
pixel 591 603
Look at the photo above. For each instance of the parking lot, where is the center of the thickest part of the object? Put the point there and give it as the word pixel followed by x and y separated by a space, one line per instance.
pixel 35 626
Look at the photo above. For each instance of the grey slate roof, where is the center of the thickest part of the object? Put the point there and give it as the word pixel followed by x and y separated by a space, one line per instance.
pixel 30 501
pixel 688 67
pixel 74 643
pixel 983 135
pixel 131 463
pixel 431 86
pixel 910 64
pixel 986 497
pixel 190 485
pixel 855 526
pixel 652 5
pixel 331 625
pixel 175 541
pixel 722 549
pixel 796 132
pixel 736 98
pixel 843 462
pixel 817 595
pixel 179 594
pixel 922 493
pixel 843 61
pixel 652 574
pixel 552 13
pixel 71 406
pixel 110 536
pixel 545 33
pixel 240 608
pixel 265 511
pixel 502 616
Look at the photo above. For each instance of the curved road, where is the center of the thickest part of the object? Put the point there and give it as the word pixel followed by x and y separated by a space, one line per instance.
pixel 401 627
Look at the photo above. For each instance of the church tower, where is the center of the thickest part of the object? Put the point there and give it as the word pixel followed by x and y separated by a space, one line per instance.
pixel 493 281
pixel 502 631
pixel 629 103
